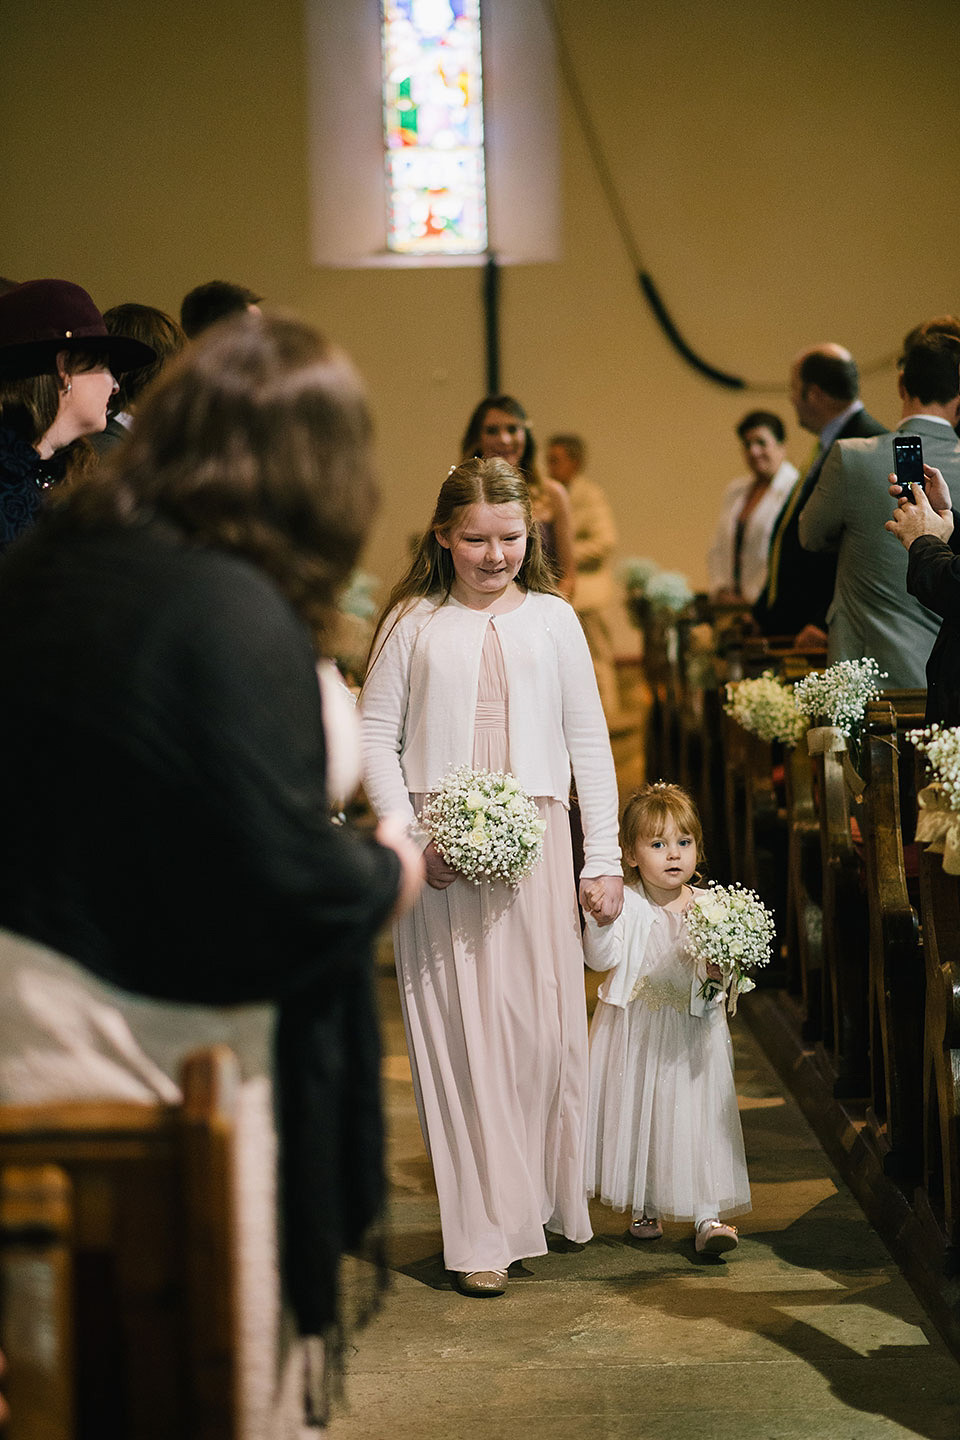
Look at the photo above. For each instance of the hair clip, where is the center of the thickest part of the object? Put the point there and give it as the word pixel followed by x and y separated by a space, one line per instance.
pixel 450 471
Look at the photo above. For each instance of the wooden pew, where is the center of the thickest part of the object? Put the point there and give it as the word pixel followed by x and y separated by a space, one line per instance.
pixel 847 915
pixel 896 970
pixel 117 1231
pixel 804 911
pixel 940 914
pixel 757 804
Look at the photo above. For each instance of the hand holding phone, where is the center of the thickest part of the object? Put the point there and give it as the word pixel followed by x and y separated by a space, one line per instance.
pixel 908 463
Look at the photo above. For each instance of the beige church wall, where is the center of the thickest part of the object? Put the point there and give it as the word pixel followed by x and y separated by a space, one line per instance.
pixel 788 172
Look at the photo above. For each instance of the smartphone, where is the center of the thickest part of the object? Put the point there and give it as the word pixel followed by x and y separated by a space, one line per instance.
pixel 908 462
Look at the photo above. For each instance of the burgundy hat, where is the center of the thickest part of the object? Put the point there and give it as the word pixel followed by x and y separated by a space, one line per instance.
pixel 40 318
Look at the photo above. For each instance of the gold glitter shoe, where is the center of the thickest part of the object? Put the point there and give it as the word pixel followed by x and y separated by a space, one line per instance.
pixel 481 1282
pixel 647 1227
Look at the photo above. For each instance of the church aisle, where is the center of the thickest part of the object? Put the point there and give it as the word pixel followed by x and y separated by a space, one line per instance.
pixel 808 1330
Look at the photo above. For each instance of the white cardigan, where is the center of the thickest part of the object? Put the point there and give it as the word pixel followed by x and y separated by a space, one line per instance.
pixel 419 701
pixel 622 949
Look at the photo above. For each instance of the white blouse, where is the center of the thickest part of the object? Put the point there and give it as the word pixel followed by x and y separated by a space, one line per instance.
pixel 419 699
pixel 756 536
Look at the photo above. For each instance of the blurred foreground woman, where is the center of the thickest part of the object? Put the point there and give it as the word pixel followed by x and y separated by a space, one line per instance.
pixel 169 876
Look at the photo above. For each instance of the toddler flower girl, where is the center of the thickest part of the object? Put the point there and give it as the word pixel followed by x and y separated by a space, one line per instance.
pixel 663 1130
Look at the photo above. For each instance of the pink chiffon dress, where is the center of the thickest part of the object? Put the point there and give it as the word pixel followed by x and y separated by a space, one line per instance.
pixel 491 984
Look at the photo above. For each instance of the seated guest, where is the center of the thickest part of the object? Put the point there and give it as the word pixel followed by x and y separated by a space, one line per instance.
pixel 870 613
pixel 594 539
pixel 737 562
pixel 927 529
pixel 825 391
pixel 57 367
pixel 169 873
pixel 216 300
pixel 165 338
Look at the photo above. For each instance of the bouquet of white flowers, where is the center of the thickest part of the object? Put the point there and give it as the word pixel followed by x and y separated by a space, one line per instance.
pixel 942 749
pixel 766 707
pixel 938 819
pixel 669 591
pixel 485 825
pixel 731 927
pixel 840 693
pixel 636 574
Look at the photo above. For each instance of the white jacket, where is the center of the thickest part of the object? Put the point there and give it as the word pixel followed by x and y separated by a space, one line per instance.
pixel 419 701
pixel 622 949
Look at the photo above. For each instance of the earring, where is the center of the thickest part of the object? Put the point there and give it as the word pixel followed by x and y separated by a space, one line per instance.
pixel 68 387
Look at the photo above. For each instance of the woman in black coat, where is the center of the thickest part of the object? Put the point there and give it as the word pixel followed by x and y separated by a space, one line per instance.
pixel 165 832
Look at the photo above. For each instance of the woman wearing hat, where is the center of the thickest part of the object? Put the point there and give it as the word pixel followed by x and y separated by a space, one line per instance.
pixel 57 372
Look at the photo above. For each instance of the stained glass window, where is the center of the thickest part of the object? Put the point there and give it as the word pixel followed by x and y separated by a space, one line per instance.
pixel 433 127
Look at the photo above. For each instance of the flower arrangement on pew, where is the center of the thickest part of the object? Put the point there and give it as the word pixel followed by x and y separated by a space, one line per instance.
pixel 731 927
pixel 485 825
pixel 668 592
pixel 766 707
pixel 836 699
pixel 938 820
pixel 636 574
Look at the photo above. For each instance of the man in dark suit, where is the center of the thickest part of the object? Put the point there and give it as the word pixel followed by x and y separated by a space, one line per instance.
pixel 825 390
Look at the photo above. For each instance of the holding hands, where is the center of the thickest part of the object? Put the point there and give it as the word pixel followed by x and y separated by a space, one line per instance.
pixel 928 513
pixel 602 897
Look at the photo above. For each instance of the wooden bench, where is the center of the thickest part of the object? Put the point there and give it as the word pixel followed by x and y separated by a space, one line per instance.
pixel 117 1233
pixel 940 916
pixel 896 968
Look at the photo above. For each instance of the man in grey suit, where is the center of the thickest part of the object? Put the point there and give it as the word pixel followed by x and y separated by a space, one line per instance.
pixel 871 612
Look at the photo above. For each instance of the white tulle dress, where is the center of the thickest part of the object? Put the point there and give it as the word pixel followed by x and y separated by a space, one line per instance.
pixel 663 1129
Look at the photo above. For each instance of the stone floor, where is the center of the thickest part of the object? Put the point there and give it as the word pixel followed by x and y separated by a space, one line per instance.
pixel 807 1330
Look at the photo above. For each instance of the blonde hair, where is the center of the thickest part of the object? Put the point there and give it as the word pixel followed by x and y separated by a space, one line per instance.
pixel 648 810
pixel 431 571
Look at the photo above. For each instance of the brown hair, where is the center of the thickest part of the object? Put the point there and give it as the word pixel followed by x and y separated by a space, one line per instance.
pixel 574 446
pixel 471 444
pixel 431 572
pixel 29 403
pixel 256 441
pixel 152 327
pixel 648 810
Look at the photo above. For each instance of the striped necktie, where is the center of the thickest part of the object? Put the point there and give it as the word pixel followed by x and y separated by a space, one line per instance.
pixel 786 514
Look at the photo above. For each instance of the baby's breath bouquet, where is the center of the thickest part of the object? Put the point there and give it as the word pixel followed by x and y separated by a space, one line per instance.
pixel 485 825
pixel 840 693
pixel 636 574
pixel 668 591
pixel 942 749
pixel 938 821
pixel 729 926
pixel 766 707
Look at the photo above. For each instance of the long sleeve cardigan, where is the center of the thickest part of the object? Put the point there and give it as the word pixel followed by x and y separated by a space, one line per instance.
pixel 419 700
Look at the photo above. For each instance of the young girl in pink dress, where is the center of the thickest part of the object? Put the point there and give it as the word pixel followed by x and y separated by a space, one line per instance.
pixel 477 661
pixel 663 1129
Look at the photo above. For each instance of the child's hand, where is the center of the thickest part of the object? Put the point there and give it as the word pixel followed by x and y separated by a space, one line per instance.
pixel 713 971
pixel 602 897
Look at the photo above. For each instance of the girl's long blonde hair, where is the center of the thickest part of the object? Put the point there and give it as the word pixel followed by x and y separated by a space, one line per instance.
pixel 431 572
